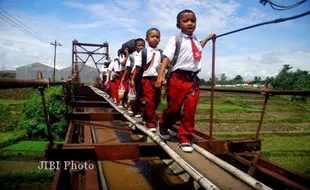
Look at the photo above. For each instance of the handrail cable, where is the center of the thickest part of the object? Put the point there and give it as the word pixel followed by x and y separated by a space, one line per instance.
pixel 281 7
pixel 265 23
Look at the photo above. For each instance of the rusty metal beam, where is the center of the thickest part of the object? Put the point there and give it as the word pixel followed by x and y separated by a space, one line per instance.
pixel 273 92
pixel 95 116
pixel 262 115
pixel 6 83
pixel 113 151
pixel 88 98
pixel 91 179
pixel 90 103
pixel 105 44
pixel 89 124
pixel 276 176
pixel 245 145
pixel 61 180
pixel 47 119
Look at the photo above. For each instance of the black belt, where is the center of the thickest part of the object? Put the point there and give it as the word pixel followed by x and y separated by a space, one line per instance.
pixel 151 78
pixel 190 73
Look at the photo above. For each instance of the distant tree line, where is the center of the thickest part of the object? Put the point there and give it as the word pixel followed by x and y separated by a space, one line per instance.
pixel 7 75
pixel 285 80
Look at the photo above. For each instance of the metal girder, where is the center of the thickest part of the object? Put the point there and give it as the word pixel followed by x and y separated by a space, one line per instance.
pixel 90 103
pixel 103 116
pixel 272 173
pixel 244 145
pixel 113 151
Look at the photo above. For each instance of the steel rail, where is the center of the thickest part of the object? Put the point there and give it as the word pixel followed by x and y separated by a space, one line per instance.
pixel 101 174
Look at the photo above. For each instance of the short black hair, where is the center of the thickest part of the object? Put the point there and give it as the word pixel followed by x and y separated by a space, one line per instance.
pixel 119 52
pixel 180 14
pixel 149 30
pixel 139 40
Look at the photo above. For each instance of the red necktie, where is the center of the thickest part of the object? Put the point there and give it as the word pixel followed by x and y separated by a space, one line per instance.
pixel 146 66
pixel 196 52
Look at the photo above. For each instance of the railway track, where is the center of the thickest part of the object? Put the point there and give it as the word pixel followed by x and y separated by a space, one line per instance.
pixel 128 156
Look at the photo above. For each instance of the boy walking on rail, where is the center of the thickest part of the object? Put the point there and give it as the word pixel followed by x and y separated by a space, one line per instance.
pixel 148 63
pixel 134 107
pixel 183 83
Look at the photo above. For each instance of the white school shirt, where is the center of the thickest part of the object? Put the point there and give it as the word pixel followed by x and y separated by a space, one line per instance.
pixel 185 60
pixel 131 61
pixel 154 65
pixel 115 65
pixel 121 59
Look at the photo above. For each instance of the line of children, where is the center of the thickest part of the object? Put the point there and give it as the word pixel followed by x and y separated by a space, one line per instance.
pixel 183 89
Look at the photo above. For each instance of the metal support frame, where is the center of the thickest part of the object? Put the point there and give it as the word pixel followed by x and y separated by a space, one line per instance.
pixel 47 118
pixel 76 58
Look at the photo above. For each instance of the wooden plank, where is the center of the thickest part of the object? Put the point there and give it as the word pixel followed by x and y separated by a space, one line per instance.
pixel 211 171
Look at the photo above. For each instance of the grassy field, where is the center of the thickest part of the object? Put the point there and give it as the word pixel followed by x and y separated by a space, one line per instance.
pixel 285 131
pixel 19 166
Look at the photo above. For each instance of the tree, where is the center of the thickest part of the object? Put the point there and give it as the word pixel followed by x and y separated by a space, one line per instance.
pixel 257 79
pixel 223 80
pixel 298 80
pixel 237 80
pixel 285 68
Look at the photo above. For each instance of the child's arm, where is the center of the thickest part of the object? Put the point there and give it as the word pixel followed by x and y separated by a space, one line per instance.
pixel 204 42
pixel 134 76
pixel 126 57
pixel 125 75
pixel 161 75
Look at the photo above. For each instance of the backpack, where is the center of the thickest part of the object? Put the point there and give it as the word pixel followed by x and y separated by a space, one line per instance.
pixel 178 41
pixel 130 45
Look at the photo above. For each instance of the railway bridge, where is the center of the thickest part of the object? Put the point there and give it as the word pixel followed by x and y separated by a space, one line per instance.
pixel 105 148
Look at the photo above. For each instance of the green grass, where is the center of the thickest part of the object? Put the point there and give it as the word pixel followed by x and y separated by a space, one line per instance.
pixel 278 142
pixel 299 163
pixel 8 138
pixel 22 155
pixel 27 146
pixel 11 102
pixel 26 177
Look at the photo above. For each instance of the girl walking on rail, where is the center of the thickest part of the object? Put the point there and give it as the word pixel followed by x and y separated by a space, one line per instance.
pixel 183 82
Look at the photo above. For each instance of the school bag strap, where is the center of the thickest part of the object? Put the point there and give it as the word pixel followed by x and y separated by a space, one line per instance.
pixel 178 41
pixel 144 57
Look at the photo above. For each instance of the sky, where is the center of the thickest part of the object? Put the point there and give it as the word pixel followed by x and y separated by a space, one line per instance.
pixel 260 51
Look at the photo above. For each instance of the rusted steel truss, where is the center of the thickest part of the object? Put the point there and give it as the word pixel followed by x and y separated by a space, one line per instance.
pixel 97 55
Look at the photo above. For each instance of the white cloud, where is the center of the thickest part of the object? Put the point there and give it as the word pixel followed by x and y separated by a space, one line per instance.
pixel 255 64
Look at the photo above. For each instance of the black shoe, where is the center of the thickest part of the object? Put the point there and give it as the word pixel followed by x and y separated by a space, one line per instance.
pixel 163 134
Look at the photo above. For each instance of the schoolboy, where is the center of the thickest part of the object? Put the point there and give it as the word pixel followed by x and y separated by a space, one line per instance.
pixel 133 107
pixel 151 94
pixel 183 82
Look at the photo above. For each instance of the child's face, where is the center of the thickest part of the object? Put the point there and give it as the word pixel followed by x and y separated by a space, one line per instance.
pixel 139 46
pixel 187 23
pixel 153 38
